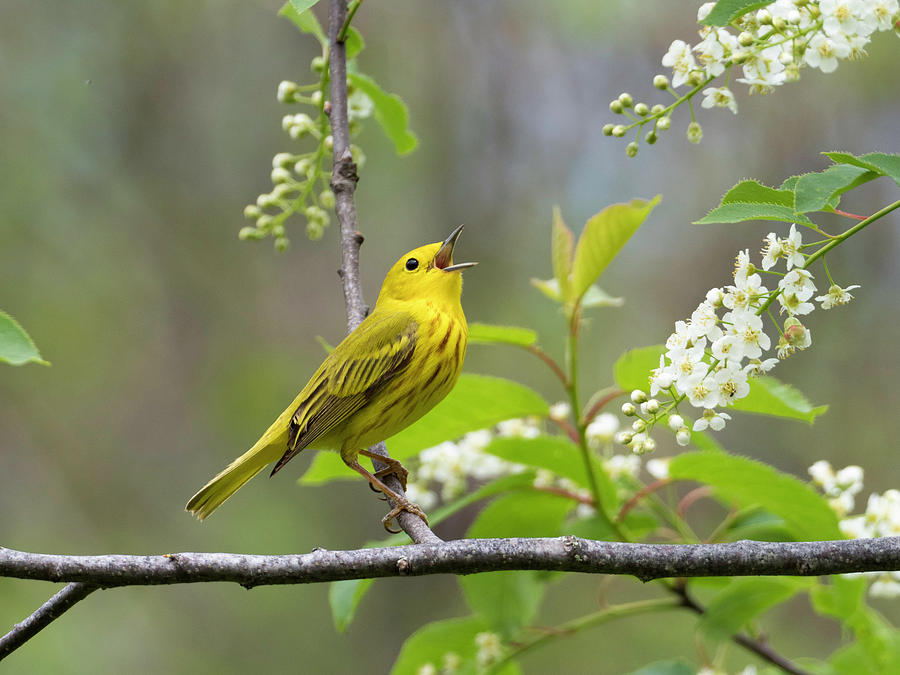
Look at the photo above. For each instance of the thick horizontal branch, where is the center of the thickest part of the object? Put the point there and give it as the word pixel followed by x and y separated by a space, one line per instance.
pixel 465 556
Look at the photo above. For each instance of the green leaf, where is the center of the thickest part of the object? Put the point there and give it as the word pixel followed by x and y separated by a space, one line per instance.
pixel 632 369
pixel 738 212
pixel 355 43
pixel 476 402
pixel 746 482
pixel 603 237
pixel 556 454
pixel 431 642
pixel 561 248
pixel 304 19
pixel 753 192
pixel 344 596
pixel 757 524
pixel 727 11
pixel 509 600
pixel 666 668
pixel 743 600
pixel 816 190
pixel 597 297
pixel 769 396
pixel 16 346
pixel 841 598
pixel 879 162
pixel 487 334
pixel 390 112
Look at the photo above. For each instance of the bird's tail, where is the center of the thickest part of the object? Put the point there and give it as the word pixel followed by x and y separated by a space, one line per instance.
pixel 211 496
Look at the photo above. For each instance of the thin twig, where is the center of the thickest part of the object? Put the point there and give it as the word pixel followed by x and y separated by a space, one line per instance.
pixel 23 631
pixel 343 183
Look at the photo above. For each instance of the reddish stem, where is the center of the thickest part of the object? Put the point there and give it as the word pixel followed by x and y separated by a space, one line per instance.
pixel 565 493
pixel 554 366
pixel 691 497
pixel 599 405
pixel 849 215
pixel 648 489
pixel 571 431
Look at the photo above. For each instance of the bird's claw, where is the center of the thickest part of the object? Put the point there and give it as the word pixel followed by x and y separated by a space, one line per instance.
pixel 404 505
pixel 394 468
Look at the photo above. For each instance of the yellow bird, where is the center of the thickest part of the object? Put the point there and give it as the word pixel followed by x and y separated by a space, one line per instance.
pixel 398 363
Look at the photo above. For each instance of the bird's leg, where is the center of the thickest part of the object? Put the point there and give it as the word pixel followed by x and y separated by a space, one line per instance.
pixel 401 503
pixel 393 467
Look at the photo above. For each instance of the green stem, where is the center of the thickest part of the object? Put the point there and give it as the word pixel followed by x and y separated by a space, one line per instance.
pixel 351 12
pixel 589 621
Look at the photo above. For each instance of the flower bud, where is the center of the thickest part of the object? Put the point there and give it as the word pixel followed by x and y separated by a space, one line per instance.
pixel 695 77
pixel 740 56
pixel 694 132
pixel 281 190
pixel 328 142
pixel 642 109
pixel 326 199
pixel 778 23
pixel 317 65
pixel 649 445
pixel 639 425
pixel 785 58
pixel 302 167
pixel 616 106
pixel 629 410
pixel 683 436
pixel 287 122
pixel 663 123
pixel 651 137
pixel 265 201
pixel 263 222
pixel 608 129
pixel 281 244
pixel 626 100
pixel 316 97
pixel 763 17
pixel 661 82
pixel 657 109
pixel 792 73
pixel 650 406
pixel 280 175
pixel 286 91
pixel 282 159
pixel 631 149
pixel 675 422
pixel 278 230
pixel 248 234
pixel 618 131
pixel 624 437
pixel 794 17
pixel 638 396
pixel 252 211
pixel 745 39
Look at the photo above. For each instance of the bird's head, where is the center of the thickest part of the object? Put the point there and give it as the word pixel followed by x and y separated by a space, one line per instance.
pixel 427 272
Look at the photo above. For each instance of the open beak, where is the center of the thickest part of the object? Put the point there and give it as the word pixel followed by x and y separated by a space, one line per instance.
pixel 444 258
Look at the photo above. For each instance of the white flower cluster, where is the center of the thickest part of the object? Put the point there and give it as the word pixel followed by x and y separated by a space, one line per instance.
pixel 841 487
pixel 881 519
pixel 710 359
pixel 488 650
pixel 772 44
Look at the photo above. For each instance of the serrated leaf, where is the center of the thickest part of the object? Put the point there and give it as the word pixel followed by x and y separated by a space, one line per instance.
pixel 754 192
pixel 476 402
pixel 556 454
pixel 432 641
pixel 390 112
pixel 743 600
pixel 509 600
pixel 562 247
pixel 355 43
pixel 769 396
pixel 550 288
pixel 746 482
pixel 597 297
pixel 16 346
pixel 879 162
pixel 603 237
pixel 739 212
pixel 816 190
pixel 789 183
pixel 727 11
pixel 483 333
pixel 304 19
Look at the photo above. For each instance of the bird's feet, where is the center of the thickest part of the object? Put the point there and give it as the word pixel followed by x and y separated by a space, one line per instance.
pixel 396 468
pixel 402 504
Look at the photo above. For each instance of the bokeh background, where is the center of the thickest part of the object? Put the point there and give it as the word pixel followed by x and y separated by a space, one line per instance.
pixel 132 135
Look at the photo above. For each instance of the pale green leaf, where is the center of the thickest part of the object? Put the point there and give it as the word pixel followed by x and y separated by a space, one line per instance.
pixel 769 396
pixel 816 190
pixel 743 600
pixel 390 112
pixel 666 668
pixel 550 288
pixel 597 297
pixel 562 249
pixel 16 346
pixel 632 369
pixel 476 402
pixel 745 482
pixel 304 19
pixel 738 212
pixel 355 43
pixel 753 192
pixel 483 333
pixel 727 11
pixel 879 162
pixel 603 237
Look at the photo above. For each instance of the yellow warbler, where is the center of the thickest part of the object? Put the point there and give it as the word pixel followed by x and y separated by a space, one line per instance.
pixel 398 363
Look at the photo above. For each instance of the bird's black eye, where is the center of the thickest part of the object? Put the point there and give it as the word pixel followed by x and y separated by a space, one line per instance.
pixel 412 264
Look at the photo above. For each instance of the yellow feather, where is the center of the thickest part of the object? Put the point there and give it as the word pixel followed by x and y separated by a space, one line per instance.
pixel 401 360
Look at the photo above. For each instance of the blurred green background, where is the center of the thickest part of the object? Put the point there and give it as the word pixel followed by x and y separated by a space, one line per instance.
pixel 132 135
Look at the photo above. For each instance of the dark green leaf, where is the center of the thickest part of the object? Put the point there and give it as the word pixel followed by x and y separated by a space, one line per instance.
pixel 355 43
pixel 753 192
pixel 483 333
pixel 603 237
pixel 666 668
pixel 509 600
pixel 727 11
pixel 738 212
pixel 304 19
pixel 431 642
pixel 743 600
pixel 769 396
pixel 562 247
pixel 815 190
pixel 16 346
pixel 476 402
pixel 390 112
pixel 632 370
pixel 879 162
pixel 746 482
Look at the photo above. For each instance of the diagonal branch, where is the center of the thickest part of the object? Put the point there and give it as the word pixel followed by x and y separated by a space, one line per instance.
pixel 343 183
pixel 466 556
pixel 21 632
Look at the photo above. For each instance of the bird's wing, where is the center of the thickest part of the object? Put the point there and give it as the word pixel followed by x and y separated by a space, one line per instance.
pixel 353 373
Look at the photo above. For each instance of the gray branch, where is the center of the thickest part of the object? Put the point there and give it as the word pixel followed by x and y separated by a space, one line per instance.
pixel 465 556
pixel 343 183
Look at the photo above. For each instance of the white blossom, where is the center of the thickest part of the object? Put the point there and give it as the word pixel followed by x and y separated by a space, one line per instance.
pixel 719 97
pixel 836 296
pixel 681 60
